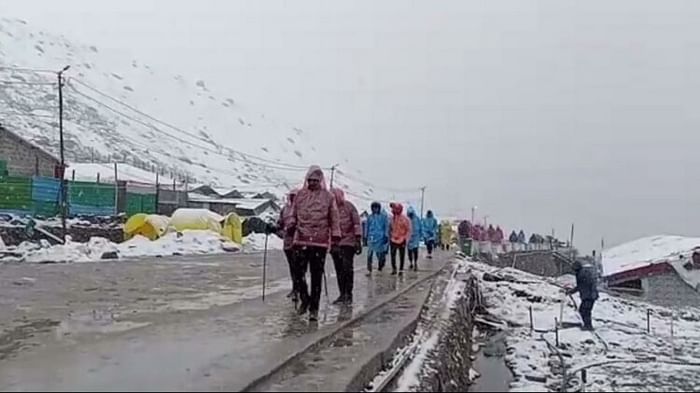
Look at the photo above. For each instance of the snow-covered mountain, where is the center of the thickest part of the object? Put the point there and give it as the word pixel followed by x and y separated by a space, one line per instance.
pixel 120 109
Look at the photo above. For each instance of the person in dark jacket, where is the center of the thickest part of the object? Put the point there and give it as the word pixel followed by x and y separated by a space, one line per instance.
pixel 587 288
pixel 513 237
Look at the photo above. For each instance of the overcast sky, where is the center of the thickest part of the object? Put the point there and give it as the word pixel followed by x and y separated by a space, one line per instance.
pixel 542 113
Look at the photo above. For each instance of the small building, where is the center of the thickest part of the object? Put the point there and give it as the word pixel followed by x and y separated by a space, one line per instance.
pixel 244 207
pixel 20 157
pixel 663 270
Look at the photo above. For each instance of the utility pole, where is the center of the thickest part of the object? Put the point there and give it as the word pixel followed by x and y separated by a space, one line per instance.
pixel 333 168
pixel 474 215
pixel 422 201
pixel 63 161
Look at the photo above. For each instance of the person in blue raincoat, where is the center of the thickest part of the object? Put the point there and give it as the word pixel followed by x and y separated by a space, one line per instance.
pixel 377 236
pixel 414 240
pixel 430 232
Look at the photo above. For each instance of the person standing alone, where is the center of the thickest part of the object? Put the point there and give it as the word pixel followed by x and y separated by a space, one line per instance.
pixel 414 240
pixel 344 250
pixel 400 233
pixel 587 287
pixel 314 223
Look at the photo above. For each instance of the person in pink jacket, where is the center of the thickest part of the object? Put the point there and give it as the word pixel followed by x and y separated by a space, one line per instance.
pixel 285 217
pixel 344 250
pixel 314 224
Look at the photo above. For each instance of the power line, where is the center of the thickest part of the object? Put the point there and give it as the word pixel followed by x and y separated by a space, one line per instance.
pixel 376 187
pixel 6 82
pixel 180 130
pixel 32 70
pixel 27 115
pixel 189 143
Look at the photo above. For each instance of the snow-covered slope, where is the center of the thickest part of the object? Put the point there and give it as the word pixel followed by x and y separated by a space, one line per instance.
pixel 645 251
pixel 119 109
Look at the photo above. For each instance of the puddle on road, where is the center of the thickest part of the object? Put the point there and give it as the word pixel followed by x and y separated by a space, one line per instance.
pixel 491 364
pixel 101 322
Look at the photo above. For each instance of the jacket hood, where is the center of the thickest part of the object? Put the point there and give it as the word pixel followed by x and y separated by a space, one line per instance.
pixel 396 208
pixel 316 172
pixel 339 196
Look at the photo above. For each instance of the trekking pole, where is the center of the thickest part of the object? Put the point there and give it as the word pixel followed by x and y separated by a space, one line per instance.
pixel 264 267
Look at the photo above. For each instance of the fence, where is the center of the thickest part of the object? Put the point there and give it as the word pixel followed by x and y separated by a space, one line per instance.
pixel 41 196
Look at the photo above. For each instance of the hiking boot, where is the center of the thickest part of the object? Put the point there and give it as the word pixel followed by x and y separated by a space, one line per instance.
pixel 368 274
pixel 291 294
pixel 339 300
pixel 393 272
pixel 401 273
pixel 348 300
pixel 303 308
pixel 313 316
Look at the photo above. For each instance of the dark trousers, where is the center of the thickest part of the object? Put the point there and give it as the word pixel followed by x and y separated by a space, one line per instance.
pixel 413 255
pixel 291 255
pixel 313 258
pixel 585 310
pixel 343 259
pixel 381 258
pixel 430 244
pixel 401 248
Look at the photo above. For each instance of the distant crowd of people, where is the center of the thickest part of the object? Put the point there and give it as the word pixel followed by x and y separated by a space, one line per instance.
pixel 476 234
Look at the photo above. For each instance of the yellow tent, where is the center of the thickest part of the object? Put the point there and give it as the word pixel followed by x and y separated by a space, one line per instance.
pixel 196 219
pixel 151 226
pixel 233 228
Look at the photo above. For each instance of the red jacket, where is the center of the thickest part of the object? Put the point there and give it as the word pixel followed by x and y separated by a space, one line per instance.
pixel 315 215
pixel 285 218
pixel 400 225
pixel 349 220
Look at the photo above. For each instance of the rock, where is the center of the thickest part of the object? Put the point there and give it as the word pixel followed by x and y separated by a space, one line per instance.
pixel 110 255
pixel 536 378
pixel 491 277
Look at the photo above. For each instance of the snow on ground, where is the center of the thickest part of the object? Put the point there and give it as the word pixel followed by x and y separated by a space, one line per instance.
pixel 256 242
pixel 621 324
pixel 188 242
pixel 646 251
pixel 428 335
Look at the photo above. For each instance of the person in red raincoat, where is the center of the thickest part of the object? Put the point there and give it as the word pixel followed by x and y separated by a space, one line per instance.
pixel 314 224
pixel 285 217
pixel 400 233
pixel 343 251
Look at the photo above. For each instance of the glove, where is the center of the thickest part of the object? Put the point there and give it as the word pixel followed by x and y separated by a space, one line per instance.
pixel 358 246
pixel 270 228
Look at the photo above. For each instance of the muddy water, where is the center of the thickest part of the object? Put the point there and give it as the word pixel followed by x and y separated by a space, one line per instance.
pixel 491 364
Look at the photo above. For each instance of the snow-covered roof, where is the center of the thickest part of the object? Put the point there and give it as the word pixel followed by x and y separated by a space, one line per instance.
pixel 241 203
pixel 125 172
pixel 646 251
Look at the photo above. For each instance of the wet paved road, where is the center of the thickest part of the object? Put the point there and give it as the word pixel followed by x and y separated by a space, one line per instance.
pixel 184 323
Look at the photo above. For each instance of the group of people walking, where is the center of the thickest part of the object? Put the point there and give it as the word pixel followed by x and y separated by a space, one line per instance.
pixel 316 220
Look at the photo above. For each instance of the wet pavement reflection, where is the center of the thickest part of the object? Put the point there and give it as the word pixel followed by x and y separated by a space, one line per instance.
pixel 157 325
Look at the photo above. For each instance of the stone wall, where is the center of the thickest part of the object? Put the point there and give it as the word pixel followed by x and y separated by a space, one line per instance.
pixel 13 235
pixel 449 363
pixel 24 159
pixel 542 263
pixel 669 290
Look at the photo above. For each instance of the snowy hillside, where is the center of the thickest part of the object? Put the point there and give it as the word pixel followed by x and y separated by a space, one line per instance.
pixel 120 109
